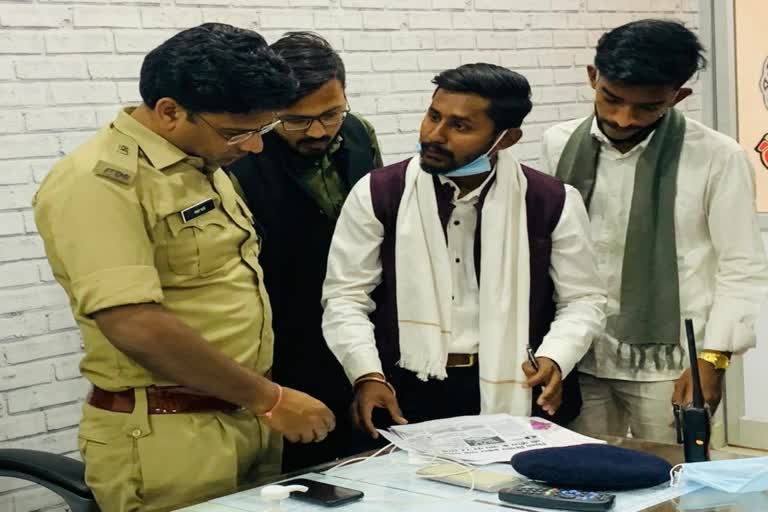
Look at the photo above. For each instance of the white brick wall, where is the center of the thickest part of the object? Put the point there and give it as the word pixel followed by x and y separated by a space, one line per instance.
pixel 65 66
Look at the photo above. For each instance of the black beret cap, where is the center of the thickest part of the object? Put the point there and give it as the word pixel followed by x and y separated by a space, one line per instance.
pixel 598 467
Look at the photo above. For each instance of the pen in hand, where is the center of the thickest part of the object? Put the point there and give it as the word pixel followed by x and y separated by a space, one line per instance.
pixel 532 358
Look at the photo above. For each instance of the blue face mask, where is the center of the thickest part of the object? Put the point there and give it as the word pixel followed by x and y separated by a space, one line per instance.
pixel 710 499
pixel 479 165
pixel 739 475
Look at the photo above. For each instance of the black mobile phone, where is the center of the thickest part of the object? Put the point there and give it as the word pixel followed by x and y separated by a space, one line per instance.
pixel 324 494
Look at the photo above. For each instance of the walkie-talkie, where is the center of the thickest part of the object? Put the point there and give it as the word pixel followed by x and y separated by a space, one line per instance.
pixel 692 421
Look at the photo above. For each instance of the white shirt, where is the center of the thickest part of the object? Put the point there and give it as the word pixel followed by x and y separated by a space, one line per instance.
pixel 354 271
pixel 723 277
pixel 461 249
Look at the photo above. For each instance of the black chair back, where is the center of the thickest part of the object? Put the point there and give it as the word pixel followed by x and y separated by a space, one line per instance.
pixel 62 475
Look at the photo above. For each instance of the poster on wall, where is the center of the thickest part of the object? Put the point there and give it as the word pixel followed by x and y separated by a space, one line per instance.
pixel 752 89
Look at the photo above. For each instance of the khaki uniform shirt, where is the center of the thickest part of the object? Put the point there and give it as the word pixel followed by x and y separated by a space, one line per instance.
pixel 110 214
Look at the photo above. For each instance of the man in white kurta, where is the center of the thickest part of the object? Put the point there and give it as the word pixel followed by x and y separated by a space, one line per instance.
pixel 460 333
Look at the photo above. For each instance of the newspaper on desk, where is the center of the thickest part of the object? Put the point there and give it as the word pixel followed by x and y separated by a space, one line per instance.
pixel 482 439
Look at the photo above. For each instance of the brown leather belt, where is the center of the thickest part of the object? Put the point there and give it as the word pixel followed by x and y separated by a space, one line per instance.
pixel 160 400
pixel 461 360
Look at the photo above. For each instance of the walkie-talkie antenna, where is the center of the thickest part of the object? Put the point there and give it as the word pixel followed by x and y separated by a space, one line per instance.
pixel 698 396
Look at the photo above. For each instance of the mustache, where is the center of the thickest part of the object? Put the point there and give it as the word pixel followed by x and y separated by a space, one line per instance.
pixel 640 132
pixel 622 128
pixel 312 140
pixel 436 148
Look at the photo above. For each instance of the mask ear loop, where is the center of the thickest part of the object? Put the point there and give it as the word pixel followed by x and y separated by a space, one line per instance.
pixel 675 475
pixel 496 142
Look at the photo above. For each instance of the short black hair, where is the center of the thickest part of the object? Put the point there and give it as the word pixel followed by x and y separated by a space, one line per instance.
pixel 313 60
pixel 508 92
pixel 216 67
pixel 650 52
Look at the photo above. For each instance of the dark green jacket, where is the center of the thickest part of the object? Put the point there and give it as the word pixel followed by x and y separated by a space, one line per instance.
pixel 294 216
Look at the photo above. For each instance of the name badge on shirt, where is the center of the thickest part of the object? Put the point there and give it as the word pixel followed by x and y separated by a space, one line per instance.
pixel 196 210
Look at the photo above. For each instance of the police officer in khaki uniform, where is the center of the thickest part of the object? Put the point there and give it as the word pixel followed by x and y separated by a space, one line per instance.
pixel 159 258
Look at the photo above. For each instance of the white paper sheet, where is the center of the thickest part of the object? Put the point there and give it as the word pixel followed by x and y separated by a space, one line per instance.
pixel 482 439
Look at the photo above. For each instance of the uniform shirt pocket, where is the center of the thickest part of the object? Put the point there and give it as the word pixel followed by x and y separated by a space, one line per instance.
pixel 201 246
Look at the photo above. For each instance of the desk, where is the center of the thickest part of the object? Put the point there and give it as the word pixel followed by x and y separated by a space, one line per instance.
pixel 755 502
pixel 704 500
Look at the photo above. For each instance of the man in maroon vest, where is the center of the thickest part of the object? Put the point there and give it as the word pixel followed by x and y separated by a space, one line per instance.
pixel 418 328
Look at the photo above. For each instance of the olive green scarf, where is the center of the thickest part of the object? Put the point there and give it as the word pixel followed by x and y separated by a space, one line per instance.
pixel 649 314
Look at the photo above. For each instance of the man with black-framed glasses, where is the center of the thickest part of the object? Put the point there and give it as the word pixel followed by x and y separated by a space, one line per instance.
pixel 295 189
pixel 159 258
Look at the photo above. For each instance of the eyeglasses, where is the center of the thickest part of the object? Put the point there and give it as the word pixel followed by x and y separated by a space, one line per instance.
pixel 242 137
pixel 294 124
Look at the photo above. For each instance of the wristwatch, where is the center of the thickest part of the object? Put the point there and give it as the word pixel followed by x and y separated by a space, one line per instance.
pixel 719 360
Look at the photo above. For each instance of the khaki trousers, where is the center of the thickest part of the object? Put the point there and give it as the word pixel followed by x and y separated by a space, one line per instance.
pixel 616 407
pixel 135 462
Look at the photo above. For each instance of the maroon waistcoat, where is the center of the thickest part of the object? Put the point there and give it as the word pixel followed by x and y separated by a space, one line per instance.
pixel 544 202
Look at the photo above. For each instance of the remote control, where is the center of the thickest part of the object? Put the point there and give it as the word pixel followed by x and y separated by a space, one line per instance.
pixel 535 495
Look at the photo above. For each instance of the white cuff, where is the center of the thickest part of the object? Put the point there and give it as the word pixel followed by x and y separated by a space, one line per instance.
pixel 559 351
pixel 731 326
pixel 362 362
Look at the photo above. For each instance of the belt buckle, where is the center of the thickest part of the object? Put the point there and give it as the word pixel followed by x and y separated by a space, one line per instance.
pixel 470 362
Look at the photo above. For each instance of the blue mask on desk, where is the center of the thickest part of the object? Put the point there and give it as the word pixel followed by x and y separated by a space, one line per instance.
pixel 711 499
pixel 738 475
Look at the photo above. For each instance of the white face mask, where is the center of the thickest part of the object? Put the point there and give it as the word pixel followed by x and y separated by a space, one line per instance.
pixel 738 475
